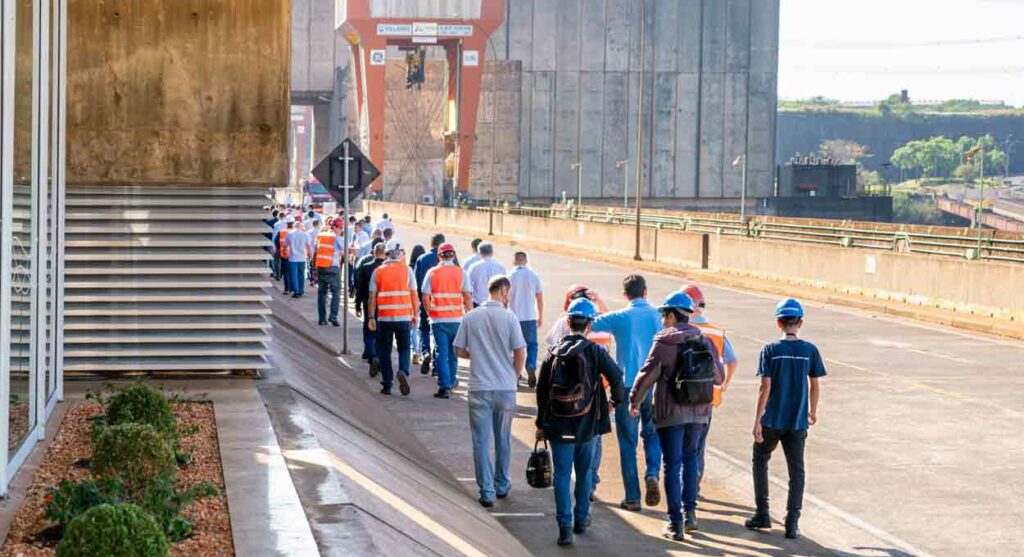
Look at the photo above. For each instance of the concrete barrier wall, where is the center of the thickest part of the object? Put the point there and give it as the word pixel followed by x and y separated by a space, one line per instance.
pixel 982 287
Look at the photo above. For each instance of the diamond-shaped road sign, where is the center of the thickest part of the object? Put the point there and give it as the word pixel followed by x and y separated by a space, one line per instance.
pixel 331 171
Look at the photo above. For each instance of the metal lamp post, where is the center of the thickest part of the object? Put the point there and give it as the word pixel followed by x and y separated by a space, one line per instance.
pixel 640 125
pixel 578 167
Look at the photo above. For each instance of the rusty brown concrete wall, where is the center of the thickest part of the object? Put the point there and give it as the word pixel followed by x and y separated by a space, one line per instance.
pixel 178 91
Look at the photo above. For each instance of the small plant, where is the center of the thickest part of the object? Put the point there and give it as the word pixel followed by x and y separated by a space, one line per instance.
pixel 69 499
pixel 166 504
pixel 136 453
pixel 122 529
pixel 141 404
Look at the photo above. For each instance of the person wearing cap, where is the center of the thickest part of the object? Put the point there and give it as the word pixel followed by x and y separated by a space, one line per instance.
pixel 481 272
pixel 425 262
pixel 490 338
pixel 299 251
pixel 725 351
pixel 633 328
pixel 393 309
pixel 787 405
pixel 526 300
pixel 328 253
pixel 680 426
pixel 573 440
pixel 446 297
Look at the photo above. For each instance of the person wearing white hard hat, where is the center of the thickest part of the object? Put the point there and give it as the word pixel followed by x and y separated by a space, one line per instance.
pixel 393 310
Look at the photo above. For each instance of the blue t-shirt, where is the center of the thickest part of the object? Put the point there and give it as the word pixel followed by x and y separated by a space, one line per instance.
pixel 789 363
pixel 633 327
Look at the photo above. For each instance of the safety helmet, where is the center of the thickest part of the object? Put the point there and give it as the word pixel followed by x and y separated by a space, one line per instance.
pixel 789 307
pixel 582 307
pixel 289 220
pixel 337 223
pixel 446 248
pixel 693 291
pixel 680 301
pixel 574 292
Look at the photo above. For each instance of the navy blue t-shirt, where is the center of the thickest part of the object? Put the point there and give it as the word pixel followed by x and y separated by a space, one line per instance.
pixel 788 363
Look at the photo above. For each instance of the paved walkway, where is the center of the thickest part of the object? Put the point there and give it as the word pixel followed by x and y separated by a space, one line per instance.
pixel 529 513
pixel 919 424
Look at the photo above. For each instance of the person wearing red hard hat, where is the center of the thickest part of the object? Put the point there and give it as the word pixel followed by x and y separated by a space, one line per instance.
pixel 447 296
pixel 717 335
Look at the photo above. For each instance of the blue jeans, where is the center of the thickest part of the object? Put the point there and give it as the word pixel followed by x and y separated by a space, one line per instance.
pixel 369 337
pixel 596 463
pixel 490 421
pixel 328 281
pixel 700 454
pixel 424 325
pixel 680 444
pixel 446 362
pixel 389 333
pixel 286 274
pixel 565 457
pixel 297 272
pixel 628 430
pixel 530 336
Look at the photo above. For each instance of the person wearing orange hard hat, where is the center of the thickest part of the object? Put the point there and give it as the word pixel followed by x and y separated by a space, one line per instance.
pixel 716 334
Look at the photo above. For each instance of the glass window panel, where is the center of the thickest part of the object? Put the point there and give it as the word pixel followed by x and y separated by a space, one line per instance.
pixel 21 418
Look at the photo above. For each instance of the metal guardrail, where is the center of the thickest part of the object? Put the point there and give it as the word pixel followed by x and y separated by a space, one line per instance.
pixel 983 247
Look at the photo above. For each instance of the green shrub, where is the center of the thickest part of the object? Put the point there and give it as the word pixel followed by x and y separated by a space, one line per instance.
pixel 141 404
pixel 136 453
pixel 69 499
pixel 122 530
pixel 166 505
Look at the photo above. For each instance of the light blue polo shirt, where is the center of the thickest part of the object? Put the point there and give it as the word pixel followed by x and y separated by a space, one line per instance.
pixel 633 327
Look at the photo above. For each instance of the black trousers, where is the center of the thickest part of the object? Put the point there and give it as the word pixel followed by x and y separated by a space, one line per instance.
pixel 328 282
pixel 793 442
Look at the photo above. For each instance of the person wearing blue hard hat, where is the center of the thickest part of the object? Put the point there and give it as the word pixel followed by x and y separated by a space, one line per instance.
pixel 573 412
pixel 681 417
pixel 787 405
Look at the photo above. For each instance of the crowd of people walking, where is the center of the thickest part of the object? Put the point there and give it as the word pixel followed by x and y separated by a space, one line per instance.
pixel 652 374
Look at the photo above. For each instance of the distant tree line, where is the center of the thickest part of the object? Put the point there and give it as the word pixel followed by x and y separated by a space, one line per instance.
pixel 941 157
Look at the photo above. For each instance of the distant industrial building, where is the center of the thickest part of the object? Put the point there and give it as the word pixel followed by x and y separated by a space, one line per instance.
pixel 824 188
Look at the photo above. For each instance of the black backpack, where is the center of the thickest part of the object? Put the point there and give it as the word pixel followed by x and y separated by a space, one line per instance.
pixel 538 468
pixel 692 381
pixel 572 386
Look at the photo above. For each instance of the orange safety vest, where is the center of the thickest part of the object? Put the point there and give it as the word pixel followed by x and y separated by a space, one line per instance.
pixel 393 297
pixel 604 340
pixel 717 336
pixel 446 292
pixel 325 250
pixel 282 248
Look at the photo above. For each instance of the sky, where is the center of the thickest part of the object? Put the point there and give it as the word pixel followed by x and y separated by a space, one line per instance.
pixel 868 49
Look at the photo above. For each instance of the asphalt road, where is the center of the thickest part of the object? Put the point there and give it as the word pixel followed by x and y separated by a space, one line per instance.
pixel 918 449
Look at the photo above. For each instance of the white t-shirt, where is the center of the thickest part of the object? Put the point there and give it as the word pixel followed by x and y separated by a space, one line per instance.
pixel 523 295
pixel 480 274
pixel 297 241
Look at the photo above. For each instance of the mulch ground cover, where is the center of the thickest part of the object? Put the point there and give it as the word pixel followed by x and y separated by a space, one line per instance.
pixel 32 535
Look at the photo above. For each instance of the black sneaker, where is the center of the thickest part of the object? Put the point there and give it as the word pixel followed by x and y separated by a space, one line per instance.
pixel 760 521
pixel 442 393
pixel 690 525
pixel 321 323
pixel 531 378
pixel 335 322
pixel 675 531
pixel 486 503
pixel 792 528
pixel 580 527
pixel 425 365
pixel 374 367
pixel 565 536
pixel 385 390
pixel 653 496
pixel 501 495
pixel 403 384
pixel 631 506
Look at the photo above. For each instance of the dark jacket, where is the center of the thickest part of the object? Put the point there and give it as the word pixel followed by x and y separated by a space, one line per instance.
pixel 657 372
pixel 598 420
pixel 363 275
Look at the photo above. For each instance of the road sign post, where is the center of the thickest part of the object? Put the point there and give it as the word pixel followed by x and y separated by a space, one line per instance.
pixel 356 171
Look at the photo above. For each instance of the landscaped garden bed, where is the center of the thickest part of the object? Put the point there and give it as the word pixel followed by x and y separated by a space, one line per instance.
pixel 135 470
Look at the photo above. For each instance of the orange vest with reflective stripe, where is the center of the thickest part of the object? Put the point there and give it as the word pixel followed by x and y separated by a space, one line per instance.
pixel 717 336
pixel 282 248
pixel 446 292
pixel 325 250
pixel 393 297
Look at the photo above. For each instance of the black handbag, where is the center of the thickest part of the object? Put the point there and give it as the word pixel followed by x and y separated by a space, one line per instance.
pixel 538 468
